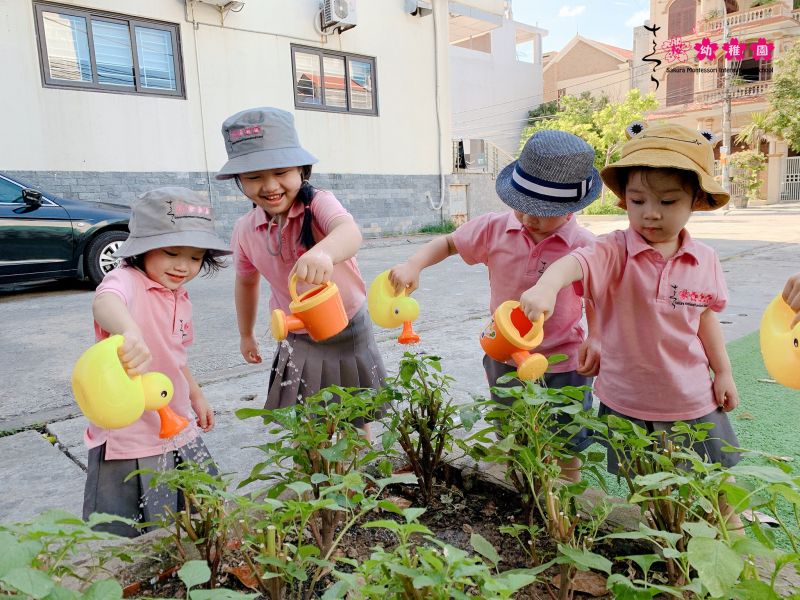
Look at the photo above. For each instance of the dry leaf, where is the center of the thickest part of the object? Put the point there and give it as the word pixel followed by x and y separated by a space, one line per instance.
pixel 399 501
pixel 466 528
pixel 745 416
pixel 489 510
pixel 244 575
pixel 586 582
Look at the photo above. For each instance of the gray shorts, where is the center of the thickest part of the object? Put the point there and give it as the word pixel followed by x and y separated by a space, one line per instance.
pixel 494 370
pixel 710 448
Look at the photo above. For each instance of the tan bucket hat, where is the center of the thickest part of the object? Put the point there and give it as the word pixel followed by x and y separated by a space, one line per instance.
pixel 668 146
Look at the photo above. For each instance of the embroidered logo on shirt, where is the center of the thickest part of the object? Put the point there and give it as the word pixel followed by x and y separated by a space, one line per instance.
pixel 183 327
pixel 542 268
pixel 686 297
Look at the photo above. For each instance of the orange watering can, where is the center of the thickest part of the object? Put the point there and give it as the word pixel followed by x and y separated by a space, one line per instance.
pixel 511 335
pixel 111 399
pixel 319 311
pixel 390 309
pixel 780 344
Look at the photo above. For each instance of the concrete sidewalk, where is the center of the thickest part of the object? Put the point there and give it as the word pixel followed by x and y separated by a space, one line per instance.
pixel 759 248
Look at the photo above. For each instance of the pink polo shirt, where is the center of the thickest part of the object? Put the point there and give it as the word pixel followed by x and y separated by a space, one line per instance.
pixel 249 244
pixel 652 363
pixel 516 262
pixel 165 318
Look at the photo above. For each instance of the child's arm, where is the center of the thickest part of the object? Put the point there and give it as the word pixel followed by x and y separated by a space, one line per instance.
pixel 342 242
pixel 200 406
pixel 113 316
pixel 791 294
pixel 246 297
pixel 589 351
pixel 541 298
pixel 405 275
pixel 710 334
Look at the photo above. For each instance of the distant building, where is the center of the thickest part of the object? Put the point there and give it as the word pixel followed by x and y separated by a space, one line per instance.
pixel 586 65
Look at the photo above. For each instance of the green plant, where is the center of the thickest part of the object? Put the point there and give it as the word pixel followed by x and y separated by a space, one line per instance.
pixel 316 441
pixel 205 519
pixel 432 570
pixel 196 572
pixel 447 226
pixel 35 557
pixel 712 14
pixel 747 167
pixel 601 207
pixel 422 416
pixel 757 3
pixel 274 546
pixel 533 436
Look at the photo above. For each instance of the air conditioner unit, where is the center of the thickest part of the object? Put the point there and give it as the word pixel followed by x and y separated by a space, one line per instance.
pixel 226 4
pixel 338 14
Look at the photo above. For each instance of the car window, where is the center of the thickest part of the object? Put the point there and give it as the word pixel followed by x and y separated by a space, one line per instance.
pixel 10 192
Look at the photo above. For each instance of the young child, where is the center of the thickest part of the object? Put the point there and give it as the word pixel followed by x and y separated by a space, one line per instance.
pixel 655 291
pixel 553 178
pixel 171 239
pixel 294 228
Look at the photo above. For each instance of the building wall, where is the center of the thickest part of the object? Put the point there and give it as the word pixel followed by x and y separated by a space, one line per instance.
pixel 107 146
pixel 492 93
pixel 585 68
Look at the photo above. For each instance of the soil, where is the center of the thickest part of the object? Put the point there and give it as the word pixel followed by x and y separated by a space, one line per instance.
pixel 453 516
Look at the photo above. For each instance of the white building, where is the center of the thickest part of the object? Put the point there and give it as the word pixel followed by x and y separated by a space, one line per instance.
pixel 104 99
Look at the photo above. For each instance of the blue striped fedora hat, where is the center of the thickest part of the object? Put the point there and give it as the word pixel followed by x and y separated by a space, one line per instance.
pixel 553 176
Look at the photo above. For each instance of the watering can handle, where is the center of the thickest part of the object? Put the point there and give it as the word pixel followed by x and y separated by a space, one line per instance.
pixel 536 328
pixel 293 286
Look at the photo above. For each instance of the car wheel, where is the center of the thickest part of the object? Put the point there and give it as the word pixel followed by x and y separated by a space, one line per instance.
pixel 99 259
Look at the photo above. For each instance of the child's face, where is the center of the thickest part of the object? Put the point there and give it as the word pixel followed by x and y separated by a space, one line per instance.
pixel 659 205
pixel 173 266
pixel 540 227
pixel 273 190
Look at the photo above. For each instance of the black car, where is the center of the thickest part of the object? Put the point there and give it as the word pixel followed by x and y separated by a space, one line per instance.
pixel 46 237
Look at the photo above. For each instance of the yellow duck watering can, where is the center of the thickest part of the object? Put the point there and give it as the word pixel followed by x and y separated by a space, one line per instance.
pixel 111 399
pixel 389 309
pixel 780 343
pixel 511 335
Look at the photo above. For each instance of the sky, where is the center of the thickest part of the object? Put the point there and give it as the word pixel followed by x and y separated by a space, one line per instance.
pixel 607 21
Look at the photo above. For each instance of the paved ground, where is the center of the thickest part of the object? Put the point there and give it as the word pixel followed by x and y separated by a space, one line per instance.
pixel 46 328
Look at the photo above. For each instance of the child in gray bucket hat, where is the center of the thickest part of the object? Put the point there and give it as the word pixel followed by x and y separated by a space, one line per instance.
pixel 553 178
pixel 295 229
pixel 171 240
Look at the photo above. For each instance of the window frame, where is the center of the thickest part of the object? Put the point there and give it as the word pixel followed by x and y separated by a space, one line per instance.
pixel 40 7
pixel 347 58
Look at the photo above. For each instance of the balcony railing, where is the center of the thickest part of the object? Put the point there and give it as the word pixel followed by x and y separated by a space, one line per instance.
pixel 750 90
pixel 747 16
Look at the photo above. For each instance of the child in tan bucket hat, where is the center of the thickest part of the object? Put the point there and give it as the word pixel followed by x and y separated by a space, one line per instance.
pixel 655 291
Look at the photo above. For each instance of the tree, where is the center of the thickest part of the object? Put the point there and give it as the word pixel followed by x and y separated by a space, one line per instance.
pixel 600 122
pixel 784 98
pixel 755 131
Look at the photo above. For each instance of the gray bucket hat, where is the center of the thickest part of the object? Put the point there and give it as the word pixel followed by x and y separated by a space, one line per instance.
pixel 553 176
pixel 171 216
pixel 261 138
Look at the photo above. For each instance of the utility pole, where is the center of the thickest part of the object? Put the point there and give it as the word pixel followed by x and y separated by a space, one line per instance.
pixel 725 150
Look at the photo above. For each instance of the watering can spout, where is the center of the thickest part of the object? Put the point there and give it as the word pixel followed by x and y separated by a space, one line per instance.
pixel 171 422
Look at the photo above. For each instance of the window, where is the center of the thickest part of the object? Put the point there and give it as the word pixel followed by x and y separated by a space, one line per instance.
pixel 682 19
pixel 88 49
pixel 334 81
pixel 10 193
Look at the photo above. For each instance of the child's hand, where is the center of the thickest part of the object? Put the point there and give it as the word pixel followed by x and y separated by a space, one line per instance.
pixel 791 294
pixel 589 357
pixel 536 301
pixel 315 267
pixel 404 276
pixel 205 416
pixel 248 346
pixel 134 353
pixel 725 391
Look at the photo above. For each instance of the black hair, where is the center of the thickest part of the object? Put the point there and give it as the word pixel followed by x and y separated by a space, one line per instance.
pixel 305 195
pixel 689 179
pixel 211 262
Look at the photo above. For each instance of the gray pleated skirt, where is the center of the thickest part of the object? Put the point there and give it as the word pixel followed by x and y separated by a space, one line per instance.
pixel 710 448
pixel 302 367
pixel 106 490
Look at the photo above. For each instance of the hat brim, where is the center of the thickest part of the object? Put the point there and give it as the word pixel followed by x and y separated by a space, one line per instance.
pixel 664 159
pixel 542 208
pixel 135 246
pixel 260 160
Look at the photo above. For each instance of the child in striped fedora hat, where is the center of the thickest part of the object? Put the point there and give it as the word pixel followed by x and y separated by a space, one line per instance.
pixel 553 178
